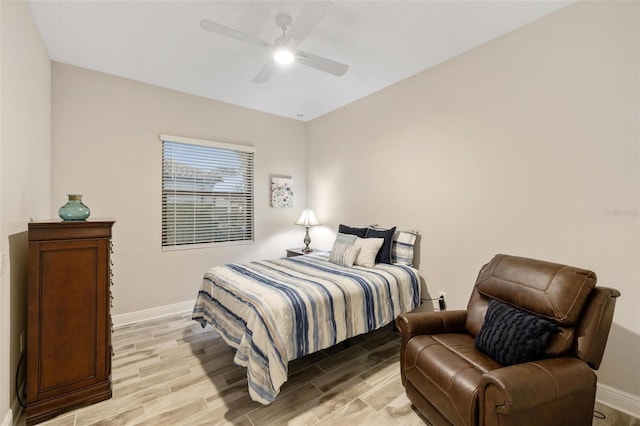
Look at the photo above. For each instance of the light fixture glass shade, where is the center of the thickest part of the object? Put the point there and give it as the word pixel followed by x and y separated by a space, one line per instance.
pixel 307 218
pixel 283 55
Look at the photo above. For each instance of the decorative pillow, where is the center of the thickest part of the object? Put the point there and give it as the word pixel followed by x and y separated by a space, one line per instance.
pixel 402 247
pixel 343 254
pixel 348 239
pixel 369 248
pixel 359 232
pixel 512 336
pixel 384 254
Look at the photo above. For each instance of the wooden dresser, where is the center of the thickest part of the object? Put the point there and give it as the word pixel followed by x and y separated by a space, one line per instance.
pixel 68 316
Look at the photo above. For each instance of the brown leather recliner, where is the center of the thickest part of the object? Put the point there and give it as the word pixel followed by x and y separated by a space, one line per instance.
pixel 451 382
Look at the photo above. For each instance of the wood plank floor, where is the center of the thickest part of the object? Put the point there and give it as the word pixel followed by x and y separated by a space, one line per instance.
pixel 171 371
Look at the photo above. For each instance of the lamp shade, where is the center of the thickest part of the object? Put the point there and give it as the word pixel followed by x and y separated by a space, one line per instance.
pixel 307 218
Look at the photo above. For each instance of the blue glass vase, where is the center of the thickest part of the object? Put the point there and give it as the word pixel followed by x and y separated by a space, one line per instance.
pixel 74 209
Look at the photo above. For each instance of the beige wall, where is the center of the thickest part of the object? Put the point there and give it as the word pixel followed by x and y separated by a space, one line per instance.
pixel 25 125
pixel 527 145
pixel 106 145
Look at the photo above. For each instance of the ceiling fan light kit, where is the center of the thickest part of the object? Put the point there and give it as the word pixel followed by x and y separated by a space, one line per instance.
pixel 283 55
pixel 283 48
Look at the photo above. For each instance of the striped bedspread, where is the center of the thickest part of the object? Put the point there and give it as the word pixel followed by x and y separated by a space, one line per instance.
pixel 275 311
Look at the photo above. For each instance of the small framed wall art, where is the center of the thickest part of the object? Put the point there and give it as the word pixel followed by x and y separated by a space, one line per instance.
pixel 281 192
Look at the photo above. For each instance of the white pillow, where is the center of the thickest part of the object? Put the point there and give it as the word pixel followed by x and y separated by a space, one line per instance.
pixel 369 248
pixel 343 254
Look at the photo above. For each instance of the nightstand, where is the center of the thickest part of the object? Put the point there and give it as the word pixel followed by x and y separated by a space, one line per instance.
pixel 293 252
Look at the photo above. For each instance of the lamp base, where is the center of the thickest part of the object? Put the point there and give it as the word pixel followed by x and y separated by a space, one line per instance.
pixel 307 241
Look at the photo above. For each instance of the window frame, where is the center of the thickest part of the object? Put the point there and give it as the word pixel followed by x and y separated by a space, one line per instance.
pixel 235 147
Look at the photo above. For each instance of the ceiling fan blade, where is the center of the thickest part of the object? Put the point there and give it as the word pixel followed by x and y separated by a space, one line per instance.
pixel 320 63
pixel 265 73
pixel 311 14
pixel 214 27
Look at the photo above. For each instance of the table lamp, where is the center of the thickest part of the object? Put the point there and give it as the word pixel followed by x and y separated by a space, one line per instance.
pixel 307 219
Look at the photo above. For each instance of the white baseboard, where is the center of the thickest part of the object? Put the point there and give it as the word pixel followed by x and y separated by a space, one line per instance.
pixel 153 313
pixel 16 407
pixel 8 418
pixel 620 400
pixel 14 413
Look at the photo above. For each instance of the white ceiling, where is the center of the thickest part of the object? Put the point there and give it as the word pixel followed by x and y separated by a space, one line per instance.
pixel 383 42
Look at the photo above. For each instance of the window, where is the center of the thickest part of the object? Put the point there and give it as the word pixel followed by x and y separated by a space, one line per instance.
pixel 207 192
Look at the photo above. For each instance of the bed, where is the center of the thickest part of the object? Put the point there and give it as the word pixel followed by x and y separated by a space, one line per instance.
pixel 274 311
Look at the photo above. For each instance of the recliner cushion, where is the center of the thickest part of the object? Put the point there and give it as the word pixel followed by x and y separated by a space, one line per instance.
pixel 447 368
pixel 512 336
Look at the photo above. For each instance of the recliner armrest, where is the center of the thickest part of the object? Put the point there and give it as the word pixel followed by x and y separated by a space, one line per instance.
pixel 417 323
pixel 414 324
pixel 518 388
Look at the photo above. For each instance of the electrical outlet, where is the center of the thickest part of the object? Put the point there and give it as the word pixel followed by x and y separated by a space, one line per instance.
pixel 442 300
pixel 22 342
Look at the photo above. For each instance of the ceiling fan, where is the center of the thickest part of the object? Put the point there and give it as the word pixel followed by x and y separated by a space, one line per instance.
pixel 284 47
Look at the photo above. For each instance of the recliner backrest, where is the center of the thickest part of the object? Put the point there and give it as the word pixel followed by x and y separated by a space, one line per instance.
pixel 558 292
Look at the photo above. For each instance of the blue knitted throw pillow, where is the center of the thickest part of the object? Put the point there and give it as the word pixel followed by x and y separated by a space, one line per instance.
pixel 512 336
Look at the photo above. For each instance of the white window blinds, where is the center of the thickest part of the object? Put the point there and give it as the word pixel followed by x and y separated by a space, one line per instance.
pixel 207 192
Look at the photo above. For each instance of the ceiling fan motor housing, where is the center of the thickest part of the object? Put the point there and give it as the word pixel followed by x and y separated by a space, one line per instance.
pixel 284 21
